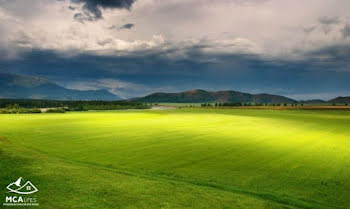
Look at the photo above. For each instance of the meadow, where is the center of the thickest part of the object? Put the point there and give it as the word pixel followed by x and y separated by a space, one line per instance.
pixel 180 158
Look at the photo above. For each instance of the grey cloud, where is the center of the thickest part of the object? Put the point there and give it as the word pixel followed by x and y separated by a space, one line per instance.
pixel 329 20
pixel 113 27
pixel 309 29
pixel 104 42
pixel 346 30
pixel 81 17
pixel 71 8
pixel 22 39
pixel 93 11
pixel 127 26
pixel 78 17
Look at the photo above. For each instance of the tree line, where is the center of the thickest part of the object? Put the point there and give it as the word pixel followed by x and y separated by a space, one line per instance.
pixel 34 105
pixel 239 104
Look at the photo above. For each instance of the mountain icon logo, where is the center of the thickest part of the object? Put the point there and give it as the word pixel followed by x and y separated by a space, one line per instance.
pixel 20 187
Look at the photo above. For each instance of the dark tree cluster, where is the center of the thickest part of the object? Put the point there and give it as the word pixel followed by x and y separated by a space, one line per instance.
pixel 231 104
pixel 206 105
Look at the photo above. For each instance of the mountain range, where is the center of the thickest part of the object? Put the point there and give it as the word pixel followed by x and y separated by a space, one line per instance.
pixel 29 87
pixel 202 96
pixel 199 95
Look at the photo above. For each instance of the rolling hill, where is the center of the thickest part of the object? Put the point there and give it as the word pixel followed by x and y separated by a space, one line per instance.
pixel 30 87
pixel 196 96
pixel 340 100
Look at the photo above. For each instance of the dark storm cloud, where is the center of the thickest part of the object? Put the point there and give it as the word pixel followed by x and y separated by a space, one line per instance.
pixel 322 70
pixel 137 68
pixel 92 8
pixel 112 4
pixel 331 58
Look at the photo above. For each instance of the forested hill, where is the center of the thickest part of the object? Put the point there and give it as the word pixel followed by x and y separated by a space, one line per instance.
pixel 199 96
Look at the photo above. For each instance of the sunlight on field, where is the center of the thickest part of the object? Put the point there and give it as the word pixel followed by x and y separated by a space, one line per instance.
pixel 264 158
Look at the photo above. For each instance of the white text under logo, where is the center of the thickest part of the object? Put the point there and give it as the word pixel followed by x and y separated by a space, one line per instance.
pixel 23 188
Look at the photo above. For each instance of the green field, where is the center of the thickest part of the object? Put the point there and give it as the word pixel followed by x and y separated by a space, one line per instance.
pixel 181 158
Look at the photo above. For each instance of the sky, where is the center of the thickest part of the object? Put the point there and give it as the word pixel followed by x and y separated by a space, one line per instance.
pixel 131 48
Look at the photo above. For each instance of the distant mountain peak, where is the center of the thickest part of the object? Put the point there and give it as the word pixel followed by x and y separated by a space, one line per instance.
pixel 196 91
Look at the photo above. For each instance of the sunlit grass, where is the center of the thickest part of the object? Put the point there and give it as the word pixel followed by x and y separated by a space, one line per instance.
pixel 265 158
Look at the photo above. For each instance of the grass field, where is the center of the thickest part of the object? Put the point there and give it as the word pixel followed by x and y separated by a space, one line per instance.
pixel 181 158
